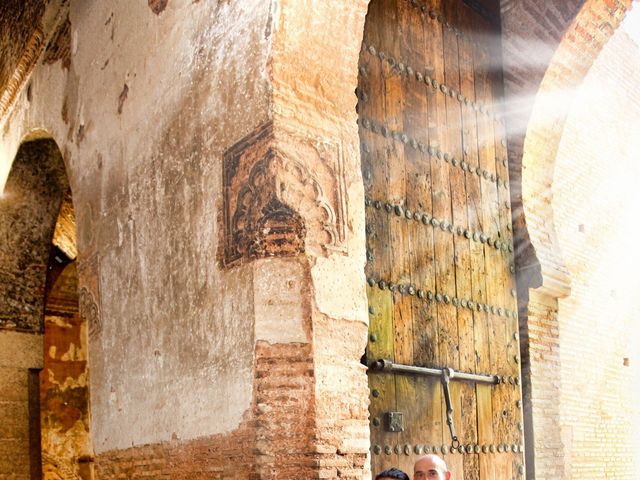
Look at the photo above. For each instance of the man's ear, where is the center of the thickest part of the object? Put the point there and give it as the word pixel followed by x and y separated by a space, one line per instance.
pixel 447 476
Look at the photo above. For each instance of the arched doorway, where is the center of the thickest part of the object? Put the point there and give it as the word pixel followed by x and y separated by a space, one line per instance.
pixel 39 280
pixel 440 260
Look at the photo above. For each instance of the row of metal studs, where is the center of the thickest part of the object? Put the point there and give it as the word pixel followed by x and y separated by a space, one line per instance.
pixel 426 219
pixel 442 298
pixel 440 18
pixel 435 152
pixel 403 67
pixel 444 449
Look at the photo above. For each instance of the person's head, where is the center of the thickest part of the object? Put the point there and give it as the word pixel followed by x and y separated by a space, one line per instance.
pixel 431 467
pixel 392 474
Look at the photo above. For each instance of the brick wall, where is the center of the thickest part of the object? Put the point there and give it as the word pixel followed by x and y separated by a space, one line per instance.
pixel 274 440
pixel 595 206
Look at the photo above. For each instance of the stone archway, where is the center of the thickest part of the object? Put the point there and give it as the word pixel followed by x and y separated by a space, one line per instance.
pixel 41 318
pixel 543 277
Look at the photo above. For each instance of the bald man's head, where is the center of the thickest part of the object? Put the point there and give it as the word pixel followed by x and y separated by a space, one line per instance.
pixel 431 467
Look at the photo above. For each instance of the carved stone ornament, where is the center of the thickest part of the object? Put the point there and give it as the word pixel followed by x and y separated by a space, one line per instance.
pixel 89 311
pixel 275 204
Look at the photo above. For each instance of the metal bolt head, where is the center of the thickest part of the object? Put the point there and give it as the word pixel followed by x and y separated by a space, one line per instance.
pixel 485 448
pixel 492 448
pixel 377 449
pixel 397 449
pixel 375 393
pixel 407 449
pixel 418 449
pixel 373 338
pixel 519 403
pixel 388 450
pixel 376 422
pixel 382 284
pixel 371 282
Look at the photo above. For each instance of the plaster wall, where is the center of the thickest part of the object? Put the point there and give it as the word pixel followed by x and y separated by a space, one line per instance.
pixel 142 113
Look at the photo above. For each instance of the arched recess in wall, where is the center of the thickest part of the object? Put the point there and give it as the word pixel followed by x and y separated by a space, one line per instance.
pixel 581 44
pixel 596 203
pixel 539 253
pixel 39 280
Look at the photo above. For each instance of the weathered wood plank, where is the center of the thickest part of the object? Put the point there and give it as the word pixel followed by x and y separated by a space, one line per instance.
pixel 426 401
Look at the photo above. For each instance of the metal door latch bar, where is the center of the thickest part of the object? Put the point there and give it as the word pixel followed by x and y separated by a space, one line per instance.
pixel 446 375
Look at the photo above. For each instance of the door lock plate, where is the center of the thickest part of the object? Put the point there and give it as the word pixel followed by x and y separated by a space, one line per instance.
pixel 395 421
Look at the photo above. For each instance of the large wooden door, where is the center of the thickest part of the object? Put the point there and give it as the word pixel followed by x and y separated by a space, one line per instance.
pixel 440 266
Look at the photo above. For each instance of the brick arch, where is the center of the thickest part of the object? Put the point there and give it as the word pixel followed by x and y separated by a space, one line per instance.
pixel 585 37
pixel 536 127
